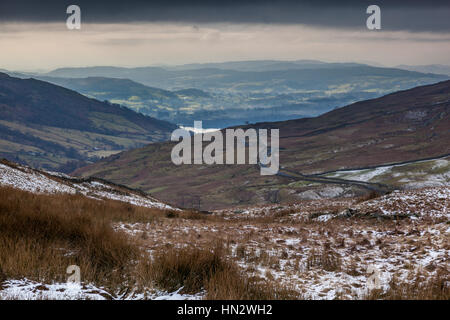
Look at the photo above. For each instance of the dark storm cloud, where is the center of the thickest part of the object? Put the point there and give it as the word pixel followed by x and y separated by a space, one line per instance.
pixel 413 15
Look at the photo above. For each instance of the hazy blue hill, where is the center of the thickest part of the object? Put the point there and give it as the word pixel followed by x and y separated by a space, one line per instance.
pixel 432 68
pixel 262 65
pixel 152 101
pixel 259 65
pixel 209 76
pixel 194 93
pixel 111 88
pixel 104 71
pixel 237 92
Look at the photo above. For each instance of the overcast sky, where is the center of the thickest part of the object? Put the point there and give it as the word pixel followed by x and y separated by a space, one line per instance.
pixel 33 34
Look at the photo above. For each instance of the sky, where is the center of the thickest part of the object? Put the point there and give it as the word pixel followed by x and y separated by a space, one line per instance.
pixel 34 36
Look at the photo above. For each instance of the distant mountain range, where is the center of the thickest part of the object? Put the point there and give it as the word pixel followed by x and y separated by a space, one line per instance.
pixel 402 126
pixel 233 93
pixel 243 76
pixel 51 127
pixel 263 65
pixel 432 68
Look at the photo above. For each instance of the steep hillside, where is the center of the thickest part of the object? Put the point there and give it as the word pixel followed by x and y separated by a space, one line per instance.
pixel 45 182
pixel 400 127
pixel 52 127
pixel 403 126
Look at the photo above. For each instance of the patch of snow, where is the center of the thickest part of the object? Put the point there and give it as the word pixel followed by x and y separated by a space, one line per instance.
pixel 362 175
pixel 331 192
pixel 31 181
pixel 309 195
pixel 25 289
pixel 176 296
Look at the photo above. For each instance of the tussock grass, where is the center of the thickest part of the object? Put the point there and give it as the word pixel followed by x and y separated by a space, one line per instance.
pixel 419 287
pixel 41 235
pixel 209 269
pixel 326 260
pixel 188 268
pixel 369 196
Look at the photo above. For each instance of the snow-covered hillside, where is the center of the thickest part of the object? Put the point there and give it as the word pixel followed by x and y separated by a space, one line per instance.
pixel 37 181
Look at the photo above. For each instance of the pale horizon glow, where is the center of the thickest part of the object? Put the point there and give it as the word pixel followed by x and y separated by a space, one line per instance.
pixel 47 46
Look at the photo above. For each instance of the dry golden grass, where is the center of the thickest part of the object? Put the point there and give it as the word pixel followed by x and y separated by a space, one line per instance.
pixel 240 257
pixel 369 196
pixel 41 235
pixel 209 269
pixel 189 268
pixel 326 260
pixel 420 287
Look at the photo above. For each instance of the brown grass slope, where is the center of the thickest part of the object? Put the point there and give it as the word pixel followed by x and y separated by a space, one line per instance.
pixel 403 126
pixel 41 235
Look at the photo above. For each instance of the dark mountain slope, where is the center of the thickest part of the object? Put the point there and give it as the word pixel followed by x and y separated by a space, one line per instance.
pixel 46 125
pixel 403 126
